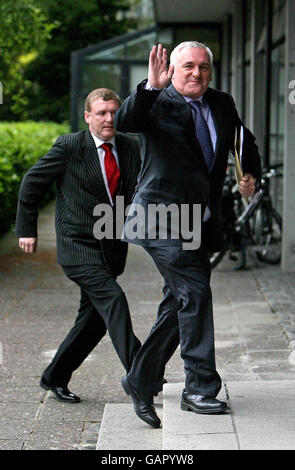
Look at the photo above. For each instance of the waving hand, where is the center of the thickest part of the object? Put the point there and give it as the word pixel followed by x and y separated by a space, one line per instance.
pixel 158 75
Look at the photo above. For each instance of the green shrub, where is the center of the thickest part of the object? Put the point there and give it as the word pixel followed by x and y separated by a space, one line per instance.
pixel 21 145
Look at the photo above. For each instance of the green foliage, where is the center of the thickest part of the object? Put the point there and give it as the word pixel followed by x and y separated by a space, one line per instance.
pixel 23 28
pixel 21 145
pixel 80 24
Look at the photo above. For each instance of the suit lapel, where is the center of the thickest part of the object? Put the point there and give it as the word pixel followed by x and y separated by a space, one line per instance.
pixel 124 158
pixel 182 110
pixel 92 165
pixel 184 114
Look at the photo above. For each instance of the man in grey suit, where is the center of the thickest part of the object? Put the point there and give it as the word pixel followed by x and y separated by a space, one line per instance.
pixel 89 167
pixel 187 130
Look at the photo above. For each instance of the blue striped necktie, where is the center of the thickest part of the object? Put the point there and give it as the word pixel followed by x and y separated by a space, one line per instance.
pixel 202 133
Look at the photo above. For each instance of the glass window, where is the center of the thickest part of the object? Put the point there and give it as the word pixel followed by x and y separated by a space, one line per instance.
pixel 277 4
pixel 137 74
pixel 279 21
pixel 248 29
pixel 210 37
pixel 115 52
pixel 247 62
pixel 165 37
pixel 278 25
pixel 96 76
pixel 101 76
pixel 139 48
pixel 262 41
pixel 247 95
pixel 80 111
pixel 277 104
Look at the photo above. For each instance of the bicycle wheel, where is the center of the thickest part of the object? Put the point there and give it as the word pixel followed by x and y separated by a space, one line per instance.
pixel 216 257
pixel 268 234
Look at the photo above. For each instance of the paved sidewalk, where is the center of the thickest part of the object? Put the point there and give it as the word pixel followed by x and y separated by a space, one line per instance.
pixel 254 332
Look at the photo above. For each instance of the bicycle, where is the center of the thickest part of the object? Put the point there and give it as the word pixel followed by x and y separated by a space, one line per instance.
pixel 256 223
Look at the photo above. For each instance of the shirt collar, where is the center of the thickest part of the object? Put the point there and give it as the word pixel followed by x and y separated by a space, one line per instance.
pixel 201 100
pixel 98 142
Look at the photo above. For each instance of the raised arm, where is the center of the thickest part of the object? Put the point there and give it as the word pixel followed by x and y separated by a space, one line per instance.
pixel 134 114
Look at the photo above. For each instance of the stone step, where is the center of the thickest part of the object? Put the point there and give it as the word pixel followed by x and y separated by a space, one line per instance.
pixel 121 429
pixel 262 417
pixel 184 430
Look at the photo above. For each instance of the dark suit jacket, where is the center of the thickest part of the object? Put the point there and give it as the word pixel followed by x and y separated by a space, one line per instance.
pixel 173 169
pixel 74 165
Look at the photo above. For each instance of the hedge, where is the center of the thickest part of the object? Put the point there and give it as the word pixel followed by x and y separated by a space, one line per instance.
pixel 21 145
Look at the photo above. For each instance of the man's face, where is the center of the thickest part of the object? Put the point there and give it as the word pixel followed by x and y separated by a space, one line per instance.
pixel 101 118
pixel 192 72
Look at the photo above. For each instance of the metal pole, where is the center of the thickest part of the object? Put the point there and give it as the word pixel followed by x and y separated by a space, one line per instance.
pixel 288 245
pixel 268 75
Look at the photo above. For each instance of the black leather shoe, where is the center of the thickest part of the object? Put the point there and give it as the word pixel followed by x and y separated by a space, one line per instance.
pixel 61 393
pixel 202 404
pixel 144 409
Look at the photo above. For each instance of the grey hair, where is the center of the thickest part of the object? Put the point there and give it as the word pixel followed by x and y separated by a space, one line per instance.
pixel 190 44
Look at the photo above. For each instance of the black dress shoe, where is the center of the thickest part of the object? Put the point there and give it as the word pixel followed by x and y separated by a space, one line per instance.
pixel 62 393
pixel 143 408
pixel 202 404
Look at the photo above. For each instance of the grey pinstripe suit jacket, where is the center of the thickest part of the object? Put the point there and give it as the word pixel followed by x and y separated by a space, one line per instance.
pixel 73 164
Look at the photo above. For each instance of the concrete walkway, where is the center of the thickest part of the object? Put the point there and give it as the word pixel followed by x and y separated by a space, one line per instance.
pixel 255 341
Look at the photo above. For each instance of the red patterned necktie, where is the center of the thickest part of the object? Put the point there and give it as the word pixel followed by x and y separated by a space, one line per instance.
pixel 111 168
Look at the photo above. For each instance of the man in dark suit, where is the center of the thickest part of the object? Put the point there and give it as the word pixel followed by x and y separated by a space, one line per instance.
pixel 187 130
pixel 89 167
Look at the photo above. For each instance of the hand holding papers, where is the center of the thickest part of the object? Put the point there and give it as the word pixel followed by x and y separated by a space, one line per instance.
pixel 245 181
pixel 238 148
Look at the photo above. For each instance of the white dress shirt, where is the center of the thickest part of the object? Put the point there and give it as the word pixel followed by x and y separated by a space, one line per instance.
pixel 101 155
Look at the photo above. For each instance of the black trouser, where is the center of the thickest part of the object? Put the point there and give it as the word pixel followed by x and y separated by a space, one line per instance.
pixel 185 315
pixel 103 306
